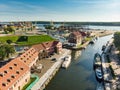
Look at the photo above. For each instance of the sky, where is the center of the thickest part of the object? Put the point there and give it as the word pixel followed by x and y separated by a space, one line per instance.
pixel 60 10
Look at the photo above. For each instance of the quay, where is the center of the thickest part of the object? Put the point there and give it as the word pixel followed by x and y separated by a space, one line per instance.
pixel 105 65
pixel 49 74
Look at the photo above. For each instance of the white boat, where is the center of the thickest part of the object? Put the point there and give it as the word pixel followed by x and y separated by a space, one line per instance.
pixel 66 62
pixel 100 86
pixel 98 72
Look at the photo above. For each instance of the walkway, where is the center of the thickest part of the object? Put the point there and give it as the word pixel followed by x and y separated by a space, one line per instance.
pixel 106 71
pixel 50 71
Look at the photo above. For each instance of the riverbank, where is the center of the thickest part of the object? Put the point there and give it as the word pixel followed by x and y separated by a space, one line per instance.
pixel 111 67
pixel 101 33
pixel 49 70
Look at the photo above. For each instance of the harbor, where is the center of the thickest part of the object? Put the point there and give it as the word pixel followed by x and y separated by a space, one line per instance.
pixel 80 74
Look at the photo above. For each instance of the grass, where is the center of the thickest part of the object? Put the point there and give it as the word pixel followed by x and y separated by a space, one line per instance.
pixel 30 81
pixel 78 46
pixel 36 39
pixel 4 38
pixel 88 39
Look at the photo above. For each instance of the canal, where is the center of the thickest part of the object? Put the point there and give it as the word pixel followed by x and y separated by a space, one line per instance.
pixel 80 74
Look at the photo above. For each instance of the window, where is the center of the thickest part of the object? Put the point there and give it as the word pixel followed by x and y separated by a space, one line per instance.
pixel 17 72
pixel 12 76
pixel 15 64
pixel 3 84
pixel 1 74
pixel 5 71
pixel 8 80
pixel 21 68
pixel 25 80
pixel 10 68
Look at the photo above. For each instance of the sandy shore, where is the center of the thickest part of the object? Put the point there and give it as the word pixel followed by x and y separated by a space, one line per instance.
pixel 100 33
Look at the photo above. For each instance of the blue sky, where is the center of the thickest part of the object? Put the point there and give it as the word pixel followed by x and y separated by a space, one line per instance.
pixel 60 10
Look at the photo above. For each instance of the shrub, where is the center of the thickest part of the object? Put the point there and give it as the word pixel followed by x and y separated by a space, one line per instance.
pixel 9 41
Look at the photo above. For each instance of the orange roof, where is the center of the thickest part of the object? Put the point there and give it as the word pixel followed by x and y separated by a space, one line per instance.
pixel 45 45
pixel 76 33
pixel 11 72
pixel 29 56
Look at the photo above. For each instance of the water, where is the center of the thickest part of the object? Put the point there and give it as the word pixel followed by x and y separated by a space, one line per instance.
pixel 89 26
pixel 105 27
pixel 80 74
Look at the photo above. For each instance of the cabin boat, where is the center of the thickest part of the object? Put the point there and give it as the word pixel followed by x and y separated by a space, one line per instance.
pixel 97 60
pixel 99 73
pixel 100 86
pixel 67 61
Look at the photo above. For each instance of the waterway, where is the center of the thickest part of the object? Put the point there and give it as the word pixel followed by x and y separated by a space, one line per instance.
pixel 80 74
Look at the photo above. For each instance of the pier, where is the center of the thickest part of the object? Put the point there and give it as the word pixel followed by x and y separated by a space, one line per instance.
pixel 47 76
pixel 105 65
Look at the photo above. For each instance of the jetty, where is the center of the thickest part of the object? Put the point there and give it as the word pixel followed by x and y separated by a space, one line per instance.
pixel 105 66
pixel 50 73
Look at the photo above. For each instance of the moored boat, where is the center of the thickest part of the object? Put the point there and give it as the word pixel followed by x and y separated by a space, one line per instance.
pixel 97 60
pixel 100 86
pixel 66 62
pixel 98 73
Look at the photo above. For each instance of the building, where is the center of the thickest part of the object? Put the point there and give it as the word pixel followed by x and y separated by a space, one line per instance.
pixel 75 38
pixel 14 75
pixel 29 57
pixel 48 48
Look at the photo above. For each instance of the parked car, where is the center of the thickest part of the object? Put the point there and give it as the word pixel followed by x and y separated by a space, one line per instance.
pixel 54 59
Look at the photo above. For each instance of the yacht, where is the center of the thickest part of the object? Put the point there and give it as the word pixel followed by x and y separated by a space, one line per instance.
pixel 67 61
pixel 97 60
pixel 98 73
pixel 100 86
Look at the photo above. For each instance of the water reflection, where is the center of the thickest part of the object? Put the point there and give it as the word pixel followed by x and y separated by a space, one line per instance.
pixel 76 54
pixel 80 75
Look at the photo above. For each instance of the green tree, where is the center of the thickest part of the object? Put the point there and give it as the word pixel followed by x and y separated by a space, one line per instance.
pixel 2 53
pixel 117 40
pixel 6 50
pixel 9 50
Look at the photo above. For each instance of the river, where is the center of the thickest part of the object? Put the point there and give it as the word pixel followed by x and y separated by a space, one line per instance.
pixel 80 74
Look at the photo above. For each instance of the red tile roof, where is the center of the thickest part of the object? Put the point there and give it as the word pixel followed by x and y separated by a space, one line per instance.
pixel 11 72
pixel 76 33
pixel 29 56
pixel 45 45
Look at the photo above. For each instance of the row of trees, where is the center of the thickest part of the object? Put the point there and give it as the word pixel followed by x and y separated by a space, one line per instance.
pixel 6 50
pixel 117 40
pixel 9 29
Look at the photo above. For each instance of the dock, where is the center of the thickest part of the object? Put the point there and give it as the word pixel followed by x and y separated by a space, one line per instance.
pixel 50 73
pixel 105 66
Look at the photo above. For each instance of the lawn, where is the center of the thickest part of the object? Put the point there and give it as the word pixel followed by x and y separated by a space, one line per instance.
pixel 36 39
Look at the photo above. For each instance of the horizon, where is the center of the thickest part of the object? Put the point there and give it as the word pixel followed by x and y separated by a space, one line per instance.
pixel 60 11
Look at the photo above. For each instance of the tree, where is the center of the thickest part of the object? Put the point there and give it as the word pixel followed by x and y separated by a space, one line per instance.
pixel 117 40
pixel 9 50
pixel 9 41
pixel 6 50
pixel 2 53
pixel 10 29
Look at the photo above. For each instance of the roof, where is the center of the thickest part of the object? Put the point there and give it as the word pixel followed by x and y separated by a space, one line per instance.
pixel 83 33
pixel 76 33
pixel 29 56
pixel 45 45
pixel 11 72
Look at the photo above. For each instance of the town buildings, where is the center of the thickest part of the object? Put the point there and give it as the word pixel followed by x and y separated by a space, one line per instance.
pixel 15 74
pixel 75 38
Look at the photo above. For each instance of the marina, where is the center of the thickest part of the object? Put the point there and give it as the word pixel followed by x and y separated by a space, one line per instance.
pixel 80 75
